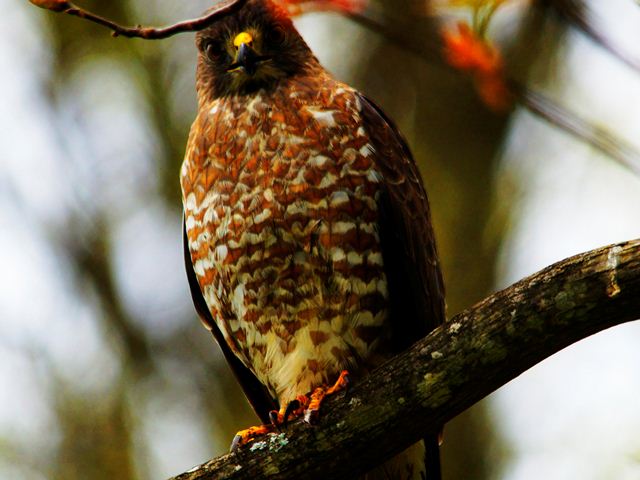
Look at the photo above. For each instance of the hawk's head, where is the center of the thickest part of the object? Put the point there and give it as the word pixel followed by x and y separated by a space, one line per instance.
pixel 254 48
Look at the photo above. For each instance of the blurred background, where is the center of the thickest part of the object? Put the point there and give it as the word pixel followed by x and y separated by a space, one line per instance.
pixel 105 372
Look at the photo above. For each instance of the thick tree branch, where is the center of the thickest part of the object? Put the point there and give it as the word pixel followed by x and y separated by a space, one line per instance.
pixel 458 364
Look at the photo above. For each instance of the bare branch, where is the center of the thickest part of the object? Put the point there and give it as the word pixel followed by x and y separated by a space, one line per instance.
pixel 577 13
pixel 461 362
pixel 597 137
pixel 148 33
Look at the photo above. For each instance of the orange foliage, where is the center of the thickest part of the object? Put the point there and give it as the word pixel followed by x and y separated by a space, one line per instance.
pixel 466 51
pixel 296 7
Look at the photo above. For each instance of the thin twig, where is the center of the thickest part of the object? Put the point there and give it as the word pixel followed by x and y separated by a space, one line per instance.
pixel 139 31
pixel 577 13
pixel 599 138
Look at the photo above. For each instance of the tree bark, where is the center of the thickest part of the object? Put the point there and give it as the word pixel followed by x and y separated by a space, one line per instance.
pixel 458 364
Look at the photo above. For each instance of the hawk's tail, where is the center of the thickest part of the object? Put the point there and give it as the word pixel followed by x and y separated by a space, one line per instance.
pixel 418 462
pixel 432 457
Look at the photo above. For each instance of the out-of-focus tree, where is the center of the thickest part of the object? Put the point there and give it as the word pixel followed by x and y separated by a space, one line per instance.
pixel 120 112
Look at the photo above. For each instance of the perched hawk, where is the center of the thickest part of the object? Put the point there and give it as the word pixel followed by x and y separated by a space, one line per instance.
pixel 308 238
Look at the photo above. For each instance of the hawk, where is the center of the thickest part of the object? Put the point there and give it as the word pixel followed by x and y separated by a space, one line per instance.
pixel 308 239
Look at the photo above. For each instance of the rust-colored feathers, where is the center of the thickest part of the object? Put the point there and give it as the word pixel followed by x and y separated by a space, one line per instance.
pixel 308 240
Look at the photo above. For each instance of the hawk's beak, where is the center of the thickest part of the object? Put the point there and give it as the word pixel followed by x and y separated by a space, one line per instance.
pixel 246 59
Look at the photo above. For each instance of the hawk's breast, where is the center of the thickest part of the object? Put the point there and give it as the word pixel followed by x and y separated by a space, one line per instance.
pixel 280 194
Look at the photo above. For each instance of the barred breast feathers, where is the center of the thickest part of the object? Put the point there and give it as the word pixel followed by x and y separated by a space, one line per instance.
pixel 281 215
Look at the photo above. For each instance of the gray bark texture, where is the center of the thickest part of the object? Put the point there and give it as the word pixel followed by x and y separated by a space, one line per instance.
pixel 459 363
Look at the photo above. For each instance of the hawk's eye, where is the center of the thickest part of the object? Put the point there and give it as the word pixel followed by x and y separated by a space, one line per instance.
pixel 276 35
pixel 213 50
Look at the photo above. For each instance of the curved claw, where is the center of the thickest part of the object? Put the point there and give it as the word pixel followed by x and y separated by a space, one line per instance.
pixel 235 444
pixel 311 416
pixel 274 418
pixel 291 408
pixel 312 413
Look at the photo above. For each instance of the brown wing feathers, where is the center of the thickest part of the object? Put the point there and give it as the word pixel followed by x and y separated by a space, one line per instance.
pixel 409 250
pixel 255 392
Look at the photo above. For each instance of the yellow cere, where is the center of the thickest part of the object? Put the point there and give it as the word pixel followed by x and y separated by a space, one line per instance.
pixel 241 38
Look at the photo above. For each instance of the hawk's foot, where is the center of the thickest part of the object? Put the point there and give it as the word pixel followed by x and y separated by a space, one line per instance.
pixel 249 435
pixel 306 406
pixel 294 409
pixel 279 418
pixel 312 411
